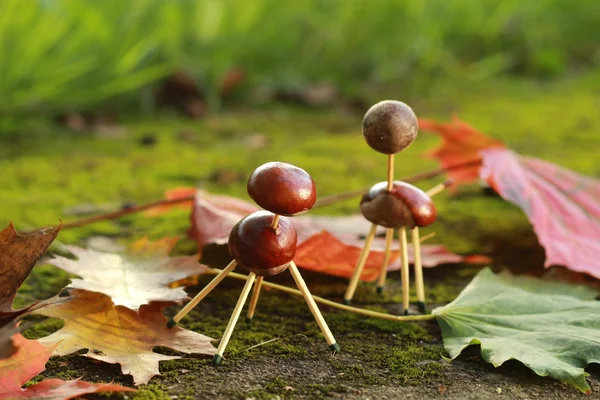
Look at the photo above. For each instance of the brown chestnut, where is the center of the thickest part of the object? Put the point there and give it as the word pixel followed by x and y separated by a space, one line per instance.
pixel 282 188
pixel 404 206
pixel 259 247
pixel 390 126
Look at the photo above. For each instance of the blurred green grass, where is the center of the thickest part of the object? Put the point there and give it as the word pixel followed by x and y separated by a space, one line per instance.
pixel 64 55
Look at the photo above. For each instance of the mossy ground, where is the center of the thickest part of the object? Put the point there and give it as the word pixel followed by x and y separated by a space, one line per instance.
pixel 49 173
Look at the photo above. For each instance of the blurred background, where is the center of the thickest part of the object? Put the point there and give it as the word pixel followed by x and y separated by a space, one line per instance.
pixel 108 103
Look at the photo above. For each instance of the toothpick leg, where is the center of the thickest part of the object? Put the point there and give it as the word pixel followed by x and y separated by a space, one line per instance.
pixel 418 269
pixel 389 236
pixel 405 273
pixel 203 293
pixel 234 318
pixel 313 307
pixel 254 298
pixel 360 265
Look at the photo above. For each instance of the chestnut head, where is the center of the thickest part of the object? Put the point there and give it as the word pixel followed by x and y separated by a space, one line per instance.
pixel 390 126
pixel 405 206
pixel 260 248
pixel 282 188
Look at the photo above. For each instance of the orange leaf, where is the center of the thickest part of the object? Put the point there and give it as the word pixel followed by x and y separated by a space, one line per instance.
pixel 115 334
pixel 462 144
pixel 29 360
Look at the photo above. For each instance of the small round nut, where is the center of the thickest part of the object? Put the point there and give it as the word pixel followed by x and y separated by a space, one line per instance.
pixel 405 206
pixel 260 248
pixel 282 188
pixel 390 126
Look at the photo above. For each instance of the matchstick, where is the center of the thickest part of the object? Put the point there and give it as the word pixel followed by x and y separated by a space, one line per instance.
pixel 360 265
pixel 254 298
pixel 275 221
pixel 218 357
pixel 313 307
pixel 389 236
pixel 405 273
pixel 203 293
pixel 390 178
pixel 418 270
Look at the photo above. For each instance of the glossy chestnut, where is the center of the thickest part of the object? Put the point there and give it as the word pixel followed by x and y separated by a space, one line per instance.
pixel 404 206
pixel 282 188
pixel 390 126
pixel 260 248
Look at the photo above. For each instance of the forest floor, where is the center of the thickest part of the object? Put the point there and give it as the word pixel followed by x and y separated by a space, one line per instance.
pixel 55 173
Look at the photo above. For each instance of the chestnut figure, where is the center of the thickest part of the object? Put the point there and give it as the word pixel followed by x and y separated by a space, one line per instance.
pixel 404 206
pixel 390 126
pixel 265 244
pixel 282 188
pixel 260 248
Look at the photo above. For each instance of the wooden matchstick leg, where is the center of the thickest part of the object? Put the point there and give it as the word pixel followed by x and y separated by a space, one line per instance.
pixel 437 189
pixel 405 273
pixel 418 269
pixel 360 265
pixel 313 307
pixel 254 298
pixel 389 236
pixel 234 318
pixel 203 293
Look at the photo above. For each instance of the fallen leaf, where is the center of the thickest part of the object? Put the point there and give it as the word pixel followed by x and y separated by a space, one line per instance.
pixel 461 144
pixel 563 206
pixel 18 255
pixel 115 334
pixel 553 328
pixel 29 360
pixel 136 277
pixel 325 253
pixel 326 244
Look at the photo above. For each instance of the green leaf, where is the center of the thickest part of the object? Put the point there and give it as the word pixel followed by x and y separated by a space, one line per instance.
pixel 553 328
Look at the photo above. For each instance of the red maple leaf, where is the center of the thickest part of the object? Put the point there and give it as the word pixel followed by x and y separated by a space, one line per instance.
pixel 563 206
pixel 460 152
pixel 30 359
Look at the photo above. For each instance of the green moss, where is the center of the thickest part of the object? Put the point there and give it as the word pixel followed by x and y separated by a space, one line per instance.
pixel 42 326
pixel 154 391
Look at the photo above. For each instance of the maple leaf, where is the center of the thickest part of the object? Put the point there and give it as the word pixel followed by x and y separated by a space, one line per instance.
pixel 136 277
pixel 551 327
pixel 563 206
pixel 29 360
pixel 329 245
pixel 461 145
pixel 116 334
pixel 18 255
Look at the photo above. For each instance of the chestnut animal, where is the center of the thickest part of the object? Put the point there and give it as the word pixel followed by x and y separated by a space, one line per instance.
pixel 265 244
pixel 282 188
pixel 390 126
pixel 405 206
pixel 260 248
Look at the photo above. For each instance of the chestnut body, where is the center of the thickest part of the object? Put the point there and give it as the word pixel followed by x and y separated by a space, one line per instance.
pixel 259 247
pixel 390 126
pixel 405 206
pixel 282 188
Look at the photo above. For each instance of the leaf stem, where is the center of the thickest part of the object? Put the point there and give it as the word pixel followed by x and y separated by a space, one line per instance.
pixel 356 310
pixel 126 211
